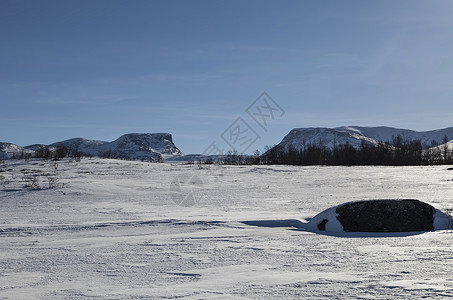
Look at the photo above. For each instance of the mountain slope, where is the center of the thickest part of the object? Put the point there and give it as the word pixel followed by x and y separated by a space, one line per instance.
pixel 386 133
pixel 80 145
pixel 8 150
pixel 299 138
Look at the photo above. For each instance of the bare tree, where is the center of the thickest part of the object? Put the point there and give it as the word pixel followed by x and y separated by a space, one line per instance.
pixel 445 149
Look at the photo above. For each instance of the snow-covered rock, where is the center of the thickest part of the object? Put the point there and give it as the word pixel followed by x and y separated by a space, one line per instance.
pixel 406 215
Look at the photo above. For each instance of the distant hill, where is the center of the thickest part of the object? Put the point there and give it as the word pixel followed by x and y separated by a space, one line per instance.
pixel 299 138
pixel 140 146
pixel 8 150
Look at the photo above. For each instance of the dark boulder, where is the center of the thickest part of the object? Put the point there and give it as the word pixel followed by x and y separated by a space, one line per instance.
pixel 386 216
pixel 322 225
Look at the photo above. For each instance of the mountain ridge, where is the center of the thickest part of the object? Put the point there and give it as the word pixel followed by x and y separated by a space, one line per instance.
pixel 160 146
pixel 138 146
pixel 299 138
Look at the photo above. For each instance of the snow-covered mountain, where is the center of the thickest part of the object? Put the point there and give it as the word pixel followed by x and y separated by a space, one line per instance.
pixel 141 146
pixel 148 146
pixel 299 138
pixel 79 144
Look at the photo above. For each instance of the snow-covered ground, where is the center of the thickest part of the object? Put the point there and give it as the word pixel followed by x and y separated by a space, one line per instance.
pixel 114 230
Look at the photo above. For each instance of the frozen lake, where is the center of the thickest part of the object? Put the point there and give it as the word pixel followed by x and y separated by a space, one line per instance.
pixel 131 230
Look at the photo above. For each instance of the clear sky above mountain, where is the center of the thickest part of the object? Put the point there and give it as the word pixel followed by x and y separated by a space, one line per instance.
pixel 99 69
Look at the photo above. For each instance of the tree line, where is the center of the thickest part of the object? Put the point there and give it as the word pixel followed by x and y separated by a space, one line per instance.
pixel 58 153
pixel 61 152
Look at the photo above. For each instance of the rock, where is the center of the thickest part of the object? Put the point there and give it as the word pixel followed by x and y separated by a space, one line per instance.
pixel 385 216
pixel 322 225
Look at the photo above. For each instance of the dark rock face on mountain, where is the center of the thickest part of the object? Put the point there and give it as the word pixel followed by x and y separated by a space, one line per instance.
pixel 386 216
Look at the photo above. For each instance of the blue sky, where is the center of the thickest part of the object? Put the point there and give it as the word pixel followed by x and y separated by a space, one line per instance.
pixel 100 69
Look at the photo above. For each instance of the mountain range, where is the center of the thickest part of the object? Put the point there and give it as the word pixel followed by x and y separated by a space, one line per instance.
pixel 160 146
pixel 139 146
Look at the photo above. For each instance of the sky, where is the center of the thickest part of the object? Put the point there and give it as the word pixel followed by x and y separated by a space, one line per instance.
pixel 197 69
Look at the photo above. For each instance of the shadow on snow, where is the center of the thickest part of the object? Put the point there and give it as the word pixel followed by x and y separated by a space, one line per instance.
pixel 297 225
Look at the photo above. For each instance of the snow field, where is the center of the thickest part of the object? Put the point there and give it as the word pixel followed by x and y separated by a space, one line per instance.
pixel 112 230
